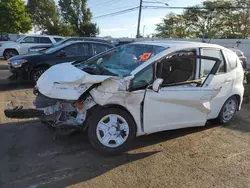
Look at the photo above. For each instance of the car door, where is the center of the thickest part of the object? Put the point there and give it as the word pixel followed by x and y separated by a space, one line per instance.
pixel 181 103
pixel 223 78
pixel 28 42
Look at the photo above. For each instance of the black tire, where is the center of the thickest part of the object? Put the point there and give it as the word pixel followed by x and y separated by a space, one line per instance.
pixel 9 53
pixel 92 127
pixel 36 73
pixel 221 119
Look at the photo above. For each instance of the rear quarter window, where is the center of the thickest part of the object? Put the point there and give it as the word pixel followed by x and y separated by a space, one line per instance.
pixel 57 39
pixel 45 40
pixel 231 58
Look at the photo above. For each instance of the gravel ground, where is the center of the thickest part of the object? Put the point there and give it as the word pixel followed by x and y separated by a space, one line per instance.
pixel 211 156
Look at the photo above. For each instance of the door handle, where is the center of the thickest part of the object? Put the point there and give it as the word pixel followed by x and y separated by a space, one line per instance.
pixel 228 80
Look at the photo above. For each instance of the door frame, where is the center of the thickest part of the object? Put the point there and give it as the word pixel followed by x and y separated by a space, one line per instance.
pixel 205 82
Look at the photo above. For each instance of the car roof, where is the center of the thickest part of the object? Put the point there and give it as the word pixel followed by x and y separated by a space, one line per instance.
pixel 34 35
pixel 84 41
pixel 180 44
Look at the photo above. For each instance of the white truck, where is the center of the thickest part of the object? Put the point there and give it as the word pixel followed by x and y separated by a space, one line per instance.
pixel 9 49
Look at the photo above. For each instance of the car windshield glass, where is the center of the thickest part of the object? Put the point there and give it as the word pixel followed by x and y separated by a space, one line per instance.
pixel 19 39
pixel 56 48
pixel 120 61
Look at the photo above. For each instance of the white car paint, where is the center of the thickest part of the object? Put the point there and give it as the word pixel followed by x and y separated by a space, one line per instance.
pixel 170 108
pixel 20 47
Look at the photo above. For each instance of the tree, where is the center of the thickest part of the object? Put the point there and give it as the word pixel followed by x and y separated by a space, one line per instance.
pixel 173 26
pixel 14 17
pixel 76 14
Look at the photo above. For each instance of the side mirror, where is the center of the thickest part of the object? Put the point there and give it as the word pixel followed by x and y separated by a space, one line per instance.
pixel 157 84
pixel 61 54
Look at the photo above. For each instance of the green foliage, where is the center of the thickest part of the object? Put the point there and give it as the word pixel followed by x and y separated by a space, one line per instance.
pixel 217 20
pixel 14 17
pixel 76 14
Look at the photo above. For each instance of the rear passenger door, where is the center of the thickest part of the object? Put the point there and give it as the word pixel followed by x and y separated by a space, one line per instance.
pixel 222 79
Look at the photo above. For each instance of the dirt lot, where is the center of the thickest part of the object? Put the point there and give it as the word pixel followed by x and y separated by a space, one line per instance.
pixel 211 156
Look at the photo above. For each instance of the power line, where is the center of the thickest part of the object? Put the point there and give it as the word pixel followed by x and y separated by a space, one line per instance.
pixel 118 12
pixel 117 9
pixel 208 8
pixel 104 3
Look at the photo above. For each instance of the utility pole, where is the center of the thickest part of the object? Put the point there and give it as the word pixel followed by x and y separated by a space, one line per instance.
pixel 139 20
pixel 143 30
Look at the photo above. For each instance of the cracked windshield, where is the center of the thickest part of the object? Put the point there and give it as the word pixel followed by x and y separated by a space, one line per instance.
pixel 122 60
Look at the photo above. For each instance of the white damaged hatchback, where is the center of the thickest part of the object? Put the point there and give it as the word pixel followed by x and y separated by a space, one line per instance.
pixel 138 89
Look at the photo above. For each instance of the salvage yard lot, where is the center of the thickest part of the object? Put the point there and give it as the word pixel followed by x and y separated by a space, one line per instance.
pixel 211 156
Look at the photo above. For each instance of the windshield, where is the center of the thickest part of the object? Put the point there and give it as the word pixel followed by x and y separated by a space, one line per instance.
pixel 120 61
pixel 56 48
pixel 19 39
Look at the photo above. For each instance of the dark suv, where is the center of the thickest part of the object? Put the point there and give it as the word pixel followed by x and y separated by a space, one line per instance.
pixel 31 66
pixel 70 39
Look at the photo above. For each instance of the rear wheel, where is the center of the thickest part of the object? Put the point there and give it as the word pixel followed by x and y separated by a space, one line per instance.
pixel 111 131
pixel 36 73
pixel 9 53
pixel 228 110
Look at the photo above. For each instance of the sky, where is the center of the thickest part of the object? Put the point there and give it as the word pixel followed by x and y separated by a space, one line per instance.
pixel 125 25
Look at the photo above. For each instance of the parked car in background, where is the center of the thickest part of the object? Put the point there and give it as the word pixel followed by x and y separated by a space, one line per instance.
pixel 9 49
pixel 44 47
pixel 241 55
pixel 122 42
pixel 31 66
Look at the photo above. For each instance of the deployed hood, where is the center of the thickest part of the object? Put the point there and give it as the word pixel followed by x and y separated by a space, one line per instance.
pixel 65 81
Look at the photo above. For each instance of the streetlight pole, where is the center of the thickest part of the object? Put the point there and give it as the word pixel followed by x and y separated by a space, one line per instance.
pixel 139 20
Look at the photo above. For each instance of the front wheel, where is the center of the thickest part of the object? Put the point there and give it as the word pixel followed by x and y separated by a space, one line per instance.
pixel 111 131
pixel 228 110
pixel 36 73
pixel 9 53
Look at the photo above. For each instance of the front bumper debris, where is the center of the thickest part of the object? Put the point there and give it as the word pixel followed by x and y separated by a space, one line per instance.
pixel 20 113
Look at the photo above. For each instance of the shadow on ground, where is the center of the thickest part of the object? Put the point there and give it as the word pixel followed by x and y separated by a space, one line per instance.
pixel 30 156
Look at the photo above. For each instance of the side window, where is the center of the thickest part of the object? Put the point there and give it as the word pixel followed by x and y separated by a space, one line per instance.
pixel 30 40
pixel 143 78
pixel 57 39
pixel 207 65
pixel 80 49
pixel 231 60
pixel 45 40
pixel 99 48
pixel 177 67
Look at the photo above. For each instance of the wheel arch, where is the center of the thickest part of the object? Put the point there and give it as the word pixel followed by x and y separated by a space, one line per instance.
pixel 238 98
pixel 11 49
pixel 15 49
pixel 38 66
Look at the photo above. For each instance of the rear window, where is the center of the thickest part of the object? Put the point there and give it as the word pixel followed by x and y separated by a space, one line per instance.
pixel 231 60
